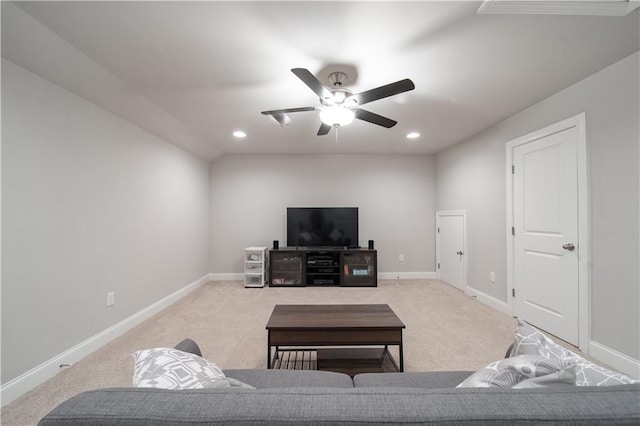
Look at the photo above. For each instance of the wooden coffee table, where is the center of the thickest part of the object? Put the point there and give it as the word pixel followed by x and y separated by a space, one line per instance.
pixel 338 326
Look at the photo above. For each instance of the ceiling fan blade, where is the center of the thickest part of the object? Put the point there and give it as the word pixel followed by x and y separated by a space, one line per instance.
pixel 384 91
pixel 288 110
pixel 311 81
pixel 374 118
pixel 280 115
pixel 282 119
pixel 324 129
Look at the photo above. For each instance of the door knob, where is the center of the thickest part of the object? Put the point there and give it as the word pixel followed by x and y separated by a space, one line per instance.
pixel 459 252
pixel 568 246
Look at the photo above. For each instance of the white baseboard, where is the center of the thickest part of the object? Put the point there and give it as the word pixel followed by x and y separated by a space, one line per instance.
pixel 406 275
pixel 496 304
pixel 381 276
pixel 43 372
pixel 615 359
pixel 229 276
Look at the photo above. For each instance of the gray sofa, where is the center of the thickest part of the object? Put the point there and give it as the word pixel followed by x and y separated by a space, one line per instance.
pixel 328 398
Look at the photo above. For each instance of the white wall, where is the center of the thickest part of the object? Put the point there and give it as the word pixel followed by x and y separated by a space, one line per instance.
pixel 395 196
pixel 90 204
pixel 471 175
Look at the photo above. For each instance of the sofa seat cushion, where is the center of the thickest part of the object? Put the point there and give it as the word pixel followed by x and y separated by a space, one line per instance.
pixel 262 379
pixel 428 380
pixel 328 406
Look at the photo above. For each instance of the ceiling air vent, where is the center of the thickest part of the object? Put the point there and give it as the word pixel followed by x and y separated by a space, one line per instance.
pixel 540 7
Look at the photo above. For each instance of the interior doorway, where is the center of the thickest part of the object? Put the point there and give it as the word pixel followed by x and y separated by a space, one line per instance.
pixel 547 243
pixel 451 248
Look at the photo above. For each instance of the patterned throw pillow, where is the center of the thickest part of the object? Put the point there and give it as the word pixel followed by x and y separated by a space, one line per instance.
pixel 173 369
pixel 564 377
pixel 530 341
pixel 524 370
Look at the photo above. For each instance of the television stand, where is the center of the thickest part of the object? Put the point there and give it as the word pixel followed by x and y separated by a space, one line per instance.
pixel 323 266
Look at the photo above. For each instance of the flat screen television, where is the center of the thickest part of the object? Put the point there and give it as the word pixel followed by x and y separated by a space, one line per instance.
pixel 322 226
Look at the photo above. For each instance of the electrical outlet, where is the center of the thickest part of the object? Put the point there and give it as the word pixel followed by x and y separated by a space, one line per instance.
pixel 492 277
pixel 401 257
pixel 111 296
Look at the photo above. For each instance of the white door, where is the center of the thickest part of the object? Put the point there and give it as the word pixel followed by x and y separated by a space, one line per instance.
pixel 545 220
pixel 450 248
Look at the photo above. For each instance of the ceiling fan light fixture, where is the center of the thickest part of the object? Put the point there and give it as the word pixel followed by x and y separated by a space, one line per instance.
pixel 337 116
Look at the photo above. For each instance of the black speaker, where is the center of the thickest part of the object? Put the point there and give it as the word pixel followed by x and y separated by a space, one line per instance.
pixel 276 244
pixel 370 244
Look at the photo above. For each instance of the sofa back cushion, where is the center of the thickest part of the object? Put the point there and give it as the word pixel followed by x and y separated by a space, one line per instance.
pixel 135 406
pixel 420 380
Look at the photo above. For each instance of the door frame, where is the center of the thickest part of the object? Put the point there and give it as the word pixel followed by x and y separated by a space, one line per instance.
pixel 584 243
pixel 463 213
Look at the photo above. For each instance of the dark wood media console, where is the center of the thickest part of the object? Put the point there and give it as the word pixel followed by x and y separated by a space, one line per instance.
pixel 320 266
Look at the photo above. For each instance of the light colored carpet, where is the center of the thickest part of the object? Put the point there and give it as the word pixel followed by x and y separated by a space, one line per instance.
pixel 445 330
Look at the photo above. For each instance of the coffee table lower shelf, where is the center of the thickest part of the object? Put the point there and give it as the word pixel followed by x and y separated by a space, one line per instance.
pixel 350 361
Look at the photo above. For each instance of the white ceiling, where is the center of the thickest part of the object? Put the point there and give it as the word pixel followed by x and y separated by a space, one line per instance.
pixel 194 72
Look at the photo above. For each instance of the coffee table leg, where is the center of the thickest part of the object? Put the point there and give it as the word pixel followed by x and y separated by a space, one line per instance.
pixel 269 349
pixel 401 355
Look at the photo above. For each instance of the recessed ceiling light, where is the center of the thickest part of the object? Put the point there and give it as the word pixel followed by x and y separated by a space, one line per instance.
pixel 239 134
pixel 413 135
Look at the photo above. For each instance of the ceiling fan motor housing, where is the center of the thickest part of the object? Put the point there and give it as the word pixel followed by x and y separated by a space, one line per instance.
pixel 337 78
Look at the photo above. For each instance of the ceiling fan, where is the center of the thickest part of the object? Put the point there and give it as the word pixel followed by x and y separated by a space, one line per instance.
pixel 338 106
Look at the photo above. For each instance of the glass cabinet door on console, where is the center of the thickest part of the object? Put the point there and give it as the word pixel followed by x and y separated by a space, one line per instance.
pixel 286 268
pixel 359 268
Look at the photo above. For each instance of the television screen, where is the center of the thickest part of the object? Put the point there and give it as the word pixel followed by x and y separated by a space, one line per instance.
pixel 322 226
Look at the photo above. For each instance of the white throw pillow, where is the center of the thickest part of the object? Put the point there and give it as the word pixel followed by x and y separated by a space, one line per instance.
pixel 530 341
pixel 173 369
pixel 524 370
